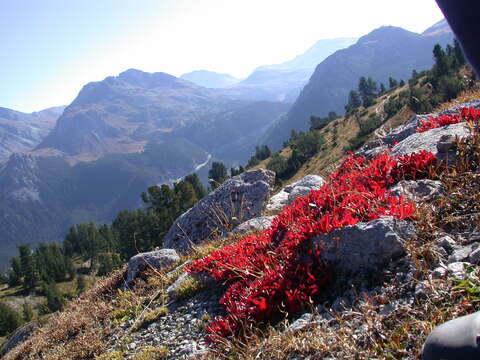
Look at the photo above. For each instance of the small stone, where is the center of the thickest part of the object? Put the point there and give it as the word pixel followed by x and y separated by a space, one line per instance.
pixel 447 242
pixel 439 272
pixel 462 253
pixel 474 257
pixel 457 269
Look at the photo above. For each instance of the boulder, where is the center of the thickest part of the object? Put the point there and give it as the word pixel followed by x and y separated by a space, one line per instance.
pixel 298 191
pixel 19 336
pixel 309 181
pixel 365 247
pixel 454 340
pixel 428 140
pixel 457 269
pixel 277 202
pixel 154 259
pixel 402 132
pixel 421 190
pixel 259 223
pixel 238 199
pixel 289 193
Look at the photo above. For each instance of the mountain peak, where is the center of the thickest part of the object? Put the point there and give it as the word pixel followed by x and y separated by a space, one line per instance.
pixel 386 32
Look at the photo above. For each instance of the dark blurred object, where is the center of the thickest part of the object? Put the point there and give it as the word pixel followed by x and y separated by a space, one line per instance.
pixel 462 15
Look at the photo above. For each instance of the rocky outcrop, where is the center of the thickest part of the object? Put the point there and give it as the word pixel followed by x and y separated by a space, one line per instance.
pixel 238 199
pixel 421 190
pixel 428 140
pixel 154 259
pixel 259 223
pixel 288 194
pixel 365 247
pixel 18 337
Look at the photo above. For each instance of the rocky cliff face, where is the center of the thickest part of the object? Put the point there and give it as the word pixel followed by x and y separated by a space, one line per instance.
pixel 21 132
pixel 108 116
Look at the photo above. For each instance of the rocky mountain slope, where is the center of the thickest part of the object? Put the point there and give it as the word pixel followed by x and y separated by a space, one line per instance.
pixel 21 132
pixel 383 53
pixel 364 272
pixel 113 114
pixel 210 79
pixel 118 137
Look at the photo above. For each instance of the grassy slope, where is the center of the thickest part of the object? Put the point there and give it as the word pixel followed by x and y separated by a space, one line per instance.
pixel 66 333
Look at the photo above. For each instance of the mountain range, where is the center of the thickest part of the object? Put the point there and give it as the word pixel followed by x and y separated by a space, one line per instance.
pixel 127 132
pixel 385 52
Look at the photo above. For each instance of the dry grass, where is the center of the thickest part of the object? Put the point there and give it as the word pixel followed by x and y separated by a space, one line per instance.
pixel 368 330
pixel 76 333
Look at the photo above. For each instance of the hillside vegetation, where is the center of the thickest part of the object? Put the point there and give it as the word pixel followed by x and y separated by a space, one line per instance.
pixel 268 278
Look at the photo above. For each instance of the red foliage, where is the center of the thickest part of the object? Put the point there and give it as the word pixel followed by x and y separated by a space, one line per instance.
pixel 466 114
pixel 275 271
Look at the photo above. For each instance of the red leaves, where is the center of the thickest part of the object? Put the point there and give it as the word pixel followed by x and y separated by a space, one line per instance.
pixel 466 114
pixel 275 272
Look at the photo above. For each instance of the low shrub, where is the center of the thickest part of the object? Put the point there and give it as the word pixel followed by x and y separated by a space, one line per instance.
pixel 272 273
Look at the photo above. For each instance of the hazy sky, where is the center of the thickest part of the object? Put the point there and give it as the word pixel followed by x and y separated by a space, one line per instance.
pixel 51 48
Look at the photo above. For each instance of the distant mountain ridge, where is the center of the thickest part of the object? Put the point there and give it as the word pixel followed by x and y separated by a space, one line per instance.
pixel 21 132
pixel 314 55
pixel 385 52
pixel 117 138
pixel 110 116
pixel 284 81
pixel 210 79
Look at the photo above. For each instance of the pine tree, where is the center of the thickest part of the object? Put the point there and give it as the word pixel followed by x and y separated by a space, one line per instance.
pixel 27 312
pixel 197 185
pixel 217 174
pixel 15 272
pixel 9 320
pixel 441 66
pixel 81 284
pixel 392 83
pixel 29 267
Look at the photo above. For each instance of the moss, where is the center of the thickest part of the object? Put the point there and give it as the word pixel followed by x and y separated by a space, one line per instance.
pixel 187 288
pixel 112 355
pixel 152 353
pixel 150 317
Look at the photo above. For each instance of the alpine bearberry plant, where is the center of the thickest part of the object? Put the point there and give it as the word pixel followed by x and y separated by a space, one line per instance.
pixel 277 271
pixel 465 115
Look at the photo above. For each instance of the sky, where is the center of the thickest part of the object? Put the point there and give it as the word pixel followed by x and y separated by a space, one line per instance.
pixel 49 49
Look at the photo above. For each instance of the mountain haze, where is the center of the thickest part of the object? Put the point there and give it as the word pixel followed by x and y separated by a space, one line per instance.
pixel 385 52
pixel 22 132
pixel 210 79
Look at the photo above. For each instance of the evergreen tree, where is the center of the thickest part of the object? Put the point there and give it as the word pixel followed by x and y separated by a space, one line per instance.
pixel 197 185
pixel 81 284
pixel 392 83
pixel 441 66
pixel 55 300
pixel 185 196
pixel 402 83
pixel 217 174
pixel 27 312
pixel 354 101
pixel 3 279
pixel 29 268
pixel 9 320
pixel 15 272
pixel 382 88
